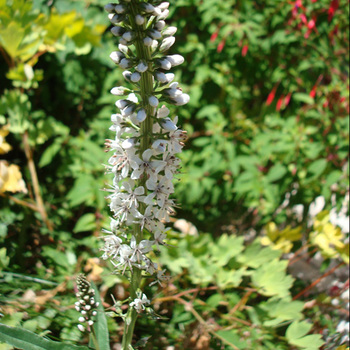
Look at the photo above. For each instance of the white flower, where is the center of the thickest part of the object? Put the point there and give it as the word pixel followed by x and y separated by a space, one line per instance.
pixel 172 164
pixel 164 212
pixel 145 165
pixel 120 161
pixel 111 247
pixel 140 302
pixel 133 196
pixel 161 191
pixel 159 146
pixel 163 112
pixel 145 220
pixel 139 250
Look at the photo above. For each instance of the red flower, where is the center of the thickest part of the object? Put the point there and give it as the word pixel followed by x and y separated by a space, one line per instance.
pixel 279 103
pixel 221 46
pixel 245 50
pixel 287 99
pixel 214 36
pixel 271 96
pixel 334 7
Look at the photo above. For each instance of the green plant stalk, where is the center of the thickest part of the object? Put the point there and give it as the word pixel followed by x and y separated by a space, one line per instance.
pixel 146 87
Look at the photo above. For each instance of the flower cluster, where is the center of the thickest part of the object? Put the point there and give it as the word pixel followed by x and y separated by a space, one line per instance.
pixel 86 303
pixel 146 138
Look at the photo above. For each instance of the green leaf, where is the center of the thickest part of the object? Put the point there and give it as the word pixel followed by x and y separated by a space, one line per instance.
pixel 100 326
pixel 226 248
pixel 276 172
pixel 302 97
pixel 317 167
pixel 282 310
pixel 85 223
pixel 256 255
pixel 271 279
pixel 232 338
pixel 50 153
pixel 296 335
pixel 26 340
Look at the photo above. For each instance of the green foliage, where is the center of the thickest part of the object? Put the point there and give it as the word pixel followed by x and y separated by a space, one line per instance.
pixel 268 114
pixel 268 118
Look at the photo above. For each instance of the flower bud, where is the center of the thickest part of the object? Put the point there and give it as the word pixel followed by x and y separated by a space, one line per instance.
pixel 167 124
pixel 128 36
pixel 135 77
pixel 125 63
pixel 141 115
pixel 153 101
pixel 164 14
pixel 110 8
pixel 127 75
pixel 140 20
pixel 120 91
pixel 155 34
pixel 160 25
pixel 147 41
pixel 116 19
pixel 142 67
pixel 120 9
pixel 163 63
pixel 181 100
pixel 170 31
pixel 167 44
pixel 116 56
pixel 164 5
pixel 175 60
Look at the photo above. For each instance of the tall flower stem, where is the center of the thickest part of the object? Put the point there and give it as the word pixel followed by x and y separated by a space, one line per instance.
pixel 146 90
pixel 146 142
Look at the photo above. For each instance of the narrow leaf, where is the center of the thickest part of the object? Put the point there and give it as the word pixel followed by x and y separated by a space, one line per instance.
pixel 26 340
pixel 100 326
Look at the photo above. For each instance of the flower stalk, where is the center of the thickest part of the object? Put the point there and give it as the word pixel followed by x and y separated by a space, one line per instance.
pixel 146 141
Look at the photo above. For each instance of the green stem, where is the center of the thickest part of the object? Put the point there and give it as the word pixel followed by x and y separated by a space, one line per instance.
pixel 146 90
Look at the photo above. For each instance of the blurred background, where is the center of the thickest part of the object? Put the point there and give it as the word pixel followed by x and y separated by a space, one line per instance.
pixel 260 245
